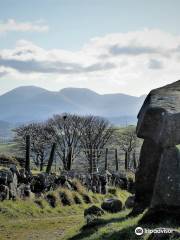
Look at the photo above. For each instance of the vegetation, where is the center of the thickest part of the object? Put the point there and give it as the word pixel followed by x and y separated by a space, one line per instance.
pixel 38 218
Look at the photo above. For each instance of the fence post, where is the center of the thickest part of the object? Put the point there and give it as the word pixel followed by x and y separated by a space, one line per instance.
pixel 126 160
pixel 106 159
pixel 116 159
pixel 51 158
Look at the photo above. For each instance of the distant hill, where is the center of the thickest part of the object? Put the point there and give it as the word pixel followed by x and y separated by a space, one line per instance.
pixel 31 103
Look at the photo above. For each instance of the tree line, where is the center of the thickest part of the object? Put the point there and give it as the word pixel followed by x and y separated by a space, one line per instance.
pixel 71 134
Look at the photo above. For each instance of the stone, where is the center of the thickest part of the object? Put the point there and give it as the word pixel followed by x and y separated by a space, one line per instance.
pixel 129 203
pixel 146 173
pixel 4 192
pixel 157 177
pixel 159 117
pixel 93 210
pixel 167 185
pixel 112 205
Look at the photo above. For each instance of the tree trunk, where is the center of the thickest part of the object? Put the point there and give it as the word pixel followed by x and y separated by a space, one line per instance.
pixel 134 160
pixel 69 159
pixel 41 162
pixel 27 163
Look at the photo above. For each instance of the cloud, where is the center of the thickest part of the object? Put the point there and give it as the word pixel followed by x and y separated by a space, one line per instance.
pixel 132 50
pixel 133 63
pixel 12 25
pixel 3 73
pixel 155 64
pixel 30 66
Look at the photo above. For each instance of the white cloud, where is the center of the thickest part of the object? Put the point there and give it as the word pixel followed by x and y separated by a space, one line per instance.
pixel 12 25
pixel 132 63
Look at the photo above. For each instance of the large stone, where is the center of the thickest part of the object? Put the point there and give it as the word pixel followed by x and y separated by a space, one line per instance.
pixel 167 185
pixel 93 210
pixel 146 173
pixel 112 205
pixel 159 117
pixel 157 177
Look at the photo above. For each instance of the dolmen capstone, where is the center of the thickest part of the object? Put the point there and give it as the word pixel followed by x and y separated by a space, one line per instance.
pixel 158 175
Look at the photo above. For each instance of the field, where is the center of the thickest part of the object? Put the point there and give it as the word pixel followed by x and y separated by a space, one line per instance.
pixel 25 220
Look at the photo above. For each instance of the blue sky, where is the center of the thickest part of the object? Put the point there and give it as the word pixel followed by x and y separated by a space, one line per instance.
pixel 66 29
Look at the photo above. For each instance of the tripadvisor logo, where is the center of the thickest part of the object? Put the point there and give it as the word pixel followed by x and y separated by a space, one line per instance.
pixel 139 231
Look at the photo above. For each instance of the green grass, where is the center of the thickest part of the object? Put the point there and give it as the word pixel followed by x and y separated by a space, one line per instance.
pixel 7 149
pixel 30 220
pixel 36 219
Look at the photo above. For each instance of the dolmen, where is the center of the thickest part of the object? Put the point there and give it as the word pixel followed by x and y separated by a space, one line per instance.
pixel 157 184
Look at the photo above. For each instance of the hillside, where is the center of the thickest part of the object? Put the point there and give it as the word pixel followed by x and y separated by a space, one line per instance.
pixel 30 103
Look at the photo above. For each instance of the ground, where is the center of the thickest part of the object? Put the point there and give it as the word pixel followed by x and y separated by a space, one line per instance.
pixel 66 225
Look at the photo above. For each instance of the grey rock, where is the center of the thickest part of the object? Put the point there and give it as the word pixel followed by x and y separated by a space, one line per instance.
pixel 167 185
pixel 158 174
pixel 146 173
pixel 93 210
pixel 159 116
pixel 112 205
pixel 129 203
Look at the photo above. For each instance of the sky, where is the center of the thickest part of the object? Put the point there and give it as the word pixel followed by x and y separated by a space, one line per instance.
pixel 109 46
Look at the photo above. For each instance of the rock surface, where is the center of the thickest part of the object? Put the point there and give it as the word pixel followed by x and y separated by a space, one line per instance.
pixel 158 174
pixel 93 210
pixel 129 203
pixel 112 205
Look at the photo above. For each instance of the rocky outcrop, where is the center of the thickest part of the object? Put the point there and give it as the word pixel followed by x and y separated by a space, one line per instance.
pixel 158 175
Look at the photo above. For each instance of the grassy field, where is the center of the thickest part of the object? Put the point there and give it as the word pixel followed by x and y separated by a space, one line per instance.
pixel 29 220
pixel 7 149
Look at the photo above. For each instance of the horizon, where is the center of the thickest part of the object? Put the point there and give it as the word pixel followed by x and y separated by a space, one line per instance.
pixel 70 87
pixel 108 47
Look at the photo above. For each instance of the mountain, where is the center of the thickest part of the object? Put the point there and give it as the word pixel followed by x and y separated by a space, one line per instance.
pixel 31 103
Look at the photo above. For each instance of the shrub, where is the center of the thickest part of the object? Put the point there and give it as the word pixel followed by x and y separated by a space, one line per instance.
pixel 7 160
pixel 78 186
pixel 77 198
pixel 66 197
pixel 51 199
pixel 112 191
pixel 87 198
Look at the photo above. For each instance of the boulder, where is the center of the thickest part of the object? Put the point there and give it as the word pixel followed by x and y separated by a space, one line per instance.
pixel 112 205
pixel 4 192
pixel 167 185
pixel 130 202
pixel 93 210
pixel 157 177
pixel 159 117
pixel 146 173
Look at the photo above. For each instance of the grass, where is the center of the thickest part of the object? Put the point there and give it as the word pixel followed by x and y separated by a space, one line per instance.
pixel 37 219
pixel 7 149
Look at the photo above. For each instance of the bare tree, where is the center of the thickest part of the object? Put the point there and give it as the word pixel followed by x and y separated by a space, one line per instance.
pixel 128 142
pixel 40 141
pixel 66 131
pixel 95 135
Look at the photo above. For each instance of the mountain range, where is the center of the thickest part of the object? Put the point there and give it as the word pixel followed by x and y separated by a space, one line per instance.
pixel 25 104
